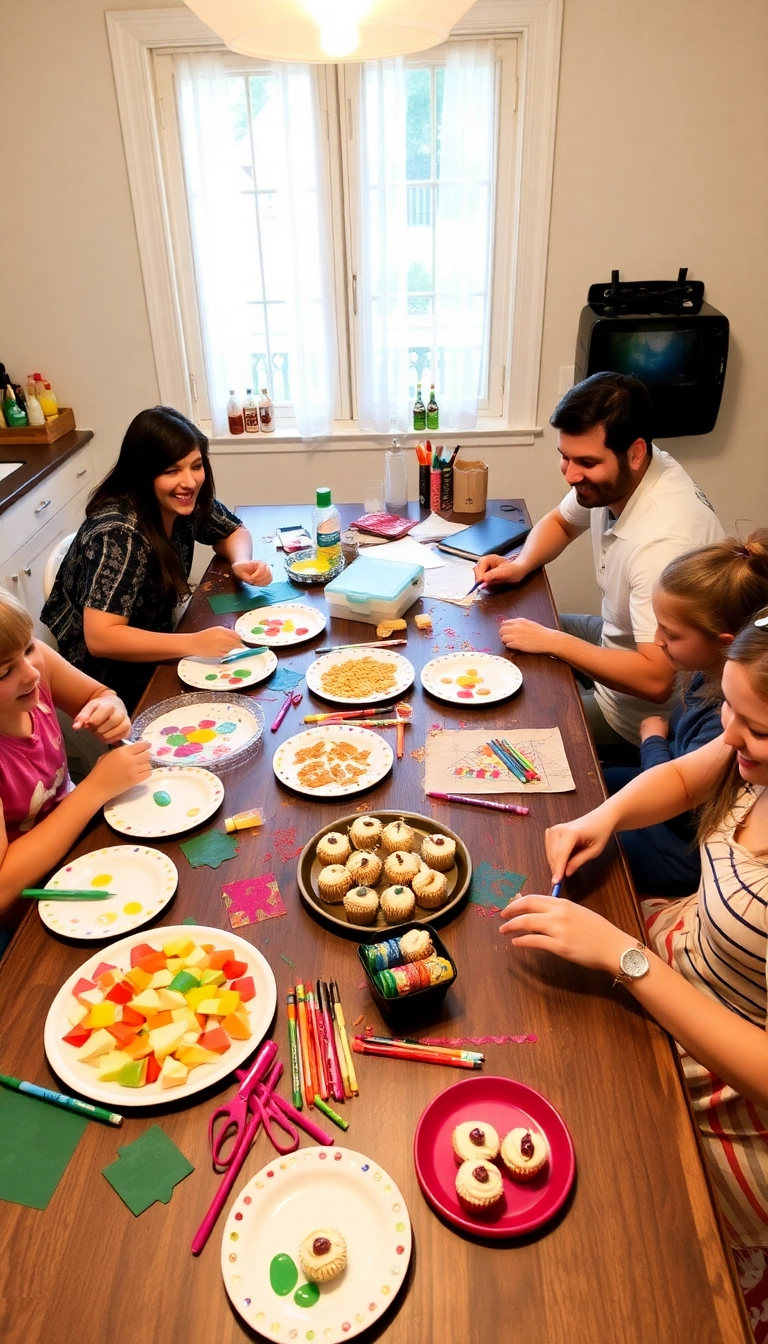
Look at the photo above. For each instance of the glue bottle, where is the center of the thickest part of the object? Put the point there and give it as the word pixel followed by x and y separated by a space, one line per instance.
pixel 326 525
pixel 48 403
pixel 243 820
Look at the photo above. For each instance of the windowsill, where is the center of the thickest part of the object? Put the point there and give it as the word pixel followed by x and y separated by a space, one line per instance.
pixel 348 438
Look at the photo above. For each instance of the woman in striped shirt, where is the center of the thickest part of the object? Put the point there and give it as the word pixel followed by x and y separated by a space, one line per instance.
pixel 703 976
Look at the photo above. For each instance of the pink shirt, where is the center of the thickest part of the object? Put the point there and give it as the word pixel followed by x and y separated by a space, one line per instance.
pixel 33 770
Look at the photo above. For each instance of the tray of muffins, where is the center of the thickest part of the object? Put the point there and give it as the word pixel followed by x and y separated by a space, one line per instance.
pixel 381 869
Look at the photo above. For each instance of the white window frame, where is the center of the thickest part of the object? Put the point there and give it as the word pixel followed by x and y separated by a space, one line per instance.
pixel 134 35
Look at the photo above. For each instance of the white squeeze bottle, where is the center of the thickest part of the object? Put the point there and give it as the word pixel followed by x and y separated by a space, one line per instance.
pixel 266 413
pixel 251 412
pixel 34 409
pixel 326 525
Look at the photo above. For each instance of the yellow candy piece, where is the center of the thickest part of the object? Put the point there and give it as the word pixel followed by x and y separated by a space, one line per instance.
pixel 201 735
pixel 101 1015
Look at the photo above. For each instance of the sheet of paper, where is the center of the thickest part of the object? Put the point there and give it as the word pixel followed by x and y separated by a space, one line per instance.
pixel 147 1170
pixel 210 849
pixel 434 528
pixel 451 583
pixel 37 1140
pixel 461 762
pixel 252 900
pixel 410 552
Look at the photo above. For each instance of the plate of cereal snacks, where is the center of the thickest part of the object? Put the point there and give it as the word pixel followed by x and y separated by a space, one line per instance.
pixel 316 1246
pixel 281 624
pixel 373 871
pixel 159 1016
pixel 333 761
pixel 201 728
pixel 471 678
pixel 493 1157
pixel 360 676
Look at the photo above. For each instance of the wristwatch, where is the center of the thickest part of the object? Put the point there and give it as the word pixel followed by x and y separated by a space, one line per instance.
pixel 633 963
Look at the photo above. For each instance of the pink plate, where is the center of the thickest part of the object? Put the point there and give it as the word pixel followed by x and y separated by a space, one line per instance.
pixel 505 1104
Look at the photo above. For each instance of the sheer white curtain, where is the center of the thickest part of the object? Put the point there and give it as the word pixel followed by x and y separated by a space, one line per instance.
pixel 463 204
pixel 261 247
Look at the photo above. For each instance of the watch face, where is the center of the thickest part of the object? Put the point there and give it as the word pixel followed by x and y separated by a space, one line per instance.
pixel 634 962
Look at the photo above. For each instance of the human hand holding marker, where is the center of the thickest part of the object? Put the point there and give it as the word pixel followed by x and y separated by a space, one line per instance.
pixel 570 931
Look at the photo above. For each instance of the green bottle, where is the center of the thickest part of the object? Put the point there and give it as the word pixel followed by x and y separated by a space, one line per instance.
pixel 433 410
pixel 15 417
pixel 419 411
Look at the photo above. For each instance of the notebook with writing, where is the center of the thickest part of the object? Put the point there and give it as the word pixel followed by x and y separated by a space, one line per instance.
pixel 492 536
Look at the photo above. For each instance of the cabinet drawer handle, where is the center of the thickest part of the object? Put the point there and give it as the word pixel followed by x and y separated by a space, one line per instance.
pixel 14 578
pixel 82 473
pixel 28 570
pixel 42 506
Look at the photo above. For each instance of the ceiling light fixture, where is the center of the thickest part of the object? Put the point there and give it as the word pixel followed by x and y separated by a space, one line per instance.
pixel 329 30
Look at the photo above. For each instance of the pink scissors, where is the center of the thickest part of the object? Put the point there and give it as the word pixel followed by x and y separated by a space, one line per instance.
pixel 252 1105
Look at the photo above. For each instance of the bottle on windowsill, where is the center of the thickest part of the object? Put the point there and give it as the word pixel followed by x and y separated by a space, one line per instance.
pixel 235 414
pixel 266 413
pixel 419 411
pixel 433 410
pixel 251 412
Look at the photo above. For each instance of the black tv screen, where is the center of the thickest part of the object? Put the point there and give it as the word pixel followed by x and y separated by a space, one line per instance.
pixel 657 358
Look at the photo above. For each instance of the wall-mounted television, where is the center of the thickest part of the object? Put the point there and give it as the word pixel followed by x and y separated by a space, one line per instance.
pixel 679 351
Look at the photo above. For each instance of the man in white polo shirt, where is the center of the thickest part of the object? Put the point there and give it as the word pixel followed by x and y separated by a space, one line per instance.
pixel 643 509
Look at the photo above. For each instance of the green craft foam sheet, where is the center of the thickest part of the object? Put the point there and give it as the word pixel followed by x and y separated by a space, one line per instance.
pixel 210 849
pixel 250 598
pixel 493 887
pixel 147 1170
pixel 37 1141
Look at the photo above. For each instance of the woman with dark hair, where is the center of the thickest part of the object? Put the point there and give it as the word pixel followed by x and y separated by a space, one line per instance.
pixel 112 605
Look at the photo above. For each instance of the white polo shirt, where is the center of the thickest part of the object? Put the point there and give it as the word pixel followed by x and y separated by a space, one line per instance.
pixel 666 516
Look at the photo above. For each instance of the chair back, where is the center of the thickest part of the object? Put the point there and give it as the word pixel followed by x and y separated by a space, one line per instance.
pixel 53 563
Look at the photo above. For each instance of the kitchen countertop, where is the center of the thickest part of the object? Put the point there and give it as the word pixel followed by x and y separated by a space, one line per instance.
pixel 38 461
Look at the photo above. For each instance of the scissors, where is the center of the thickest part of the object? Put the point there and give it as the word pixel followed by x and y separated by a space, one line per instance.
pixel 238 1120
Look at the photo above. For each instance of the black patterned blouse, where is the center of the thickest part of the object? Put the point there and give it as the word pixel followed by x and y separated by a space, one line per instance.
pixel 110 566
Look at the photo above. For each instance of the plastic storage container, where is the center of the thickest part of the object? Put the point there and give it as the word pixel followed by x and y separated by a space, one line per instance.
pixel 421 1001
pixel 372 590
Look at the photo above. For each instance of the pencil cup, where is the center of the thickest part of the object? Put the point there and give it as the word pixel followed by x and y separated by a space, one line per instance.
pixel 446 487
pixel 424 474
pixel 470 486
pixel 435 489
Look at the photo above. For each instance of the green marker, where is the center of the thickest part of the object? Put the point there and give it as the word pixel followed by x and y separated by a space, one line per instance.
pixel 293 1050
pixel 59 894
pixel 58 1099
pixel 332 1115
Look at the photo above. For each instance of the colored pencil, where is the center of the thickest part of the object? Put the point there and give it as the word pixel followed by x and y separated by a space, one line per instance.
pixel 406 1044
pixel 369 644
pixel 512 766
pixel 313 1018
pixel 338 1013
pixel 237 654
pixel 362 1047
pixel 293 1050
pixel 306 1064
pixel 340 1052
pixel 334 1072
pixel 518 756
pixel 511 754
pixel 332 1115
pixel 349 714
pixel 59 1099
pixel 59 894
pixel 480 802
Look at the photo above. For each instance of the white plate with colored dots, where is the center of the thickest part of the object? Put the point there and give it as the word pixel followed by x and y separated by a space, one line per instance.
pixel 142 879
pixel 279 625
pixel 471 678
pixel 196 729
pixel 210 674
pixel 175 798
pixel 285 1202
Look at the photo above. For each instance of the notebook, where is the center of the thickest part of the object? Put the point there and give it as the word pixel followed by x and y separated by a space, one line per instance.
pixel 493 536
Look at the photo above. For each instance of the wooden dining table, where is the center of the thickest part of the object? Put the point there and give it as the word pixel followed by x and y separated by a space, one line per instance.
pixel 636 1253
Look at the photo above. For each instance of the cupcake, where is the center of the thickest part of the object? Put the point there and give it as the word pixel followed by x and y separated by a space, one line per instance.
pixel 361 905
pixel 524 1152
pixel 323 1255
pixel 397 835
pixel 334 848
pixel 473 1139
pixel 479 1186
pixel 430 888
pixel 439 851
pixel 397 904
pixel 365 867
pixel 334 882
pixel 415 945
pixel 365 833
pixel 400 867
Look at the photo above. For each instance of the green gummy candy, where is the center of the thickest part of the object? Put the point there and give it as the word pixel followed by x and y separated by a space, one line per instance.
pixel 283 1274
pixel 211 676
pixel 183 981
pixel 162 798
pixel 257 630
pixel 307 1295
pixel 176 739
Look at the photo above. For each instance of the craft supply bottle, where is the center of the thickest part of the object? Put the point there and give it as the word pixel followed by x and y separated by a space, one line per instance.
pixel 48 403
pixel 433 410
pixel 235 419
pixel 419 411
pixel 251 412
pixel 395 478
pixel 34 409
pixel 15 417
pixel 39 385
pixel 266 413
pixel 242 821
pixel 326 525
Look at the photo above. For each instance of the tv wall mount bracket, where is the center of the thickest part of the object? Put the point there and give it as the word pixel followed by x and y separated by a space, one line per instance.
pixel 679 296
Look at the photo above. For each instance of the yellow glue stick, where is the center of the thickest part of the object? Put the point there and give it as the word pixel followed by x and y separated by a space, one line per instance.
pixel 242 820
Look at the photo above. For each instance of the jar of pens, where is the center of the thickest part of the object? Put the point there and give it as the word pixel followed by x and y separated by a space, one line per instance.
pixel 436 476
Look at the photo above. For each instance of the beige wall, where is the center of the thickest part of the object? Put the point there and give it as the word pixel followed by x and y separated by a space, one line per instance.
pixel 660 162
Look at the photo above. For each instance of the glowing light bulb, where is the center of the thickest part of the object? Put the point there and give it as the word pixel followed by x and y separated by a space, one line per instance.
pixel 338 23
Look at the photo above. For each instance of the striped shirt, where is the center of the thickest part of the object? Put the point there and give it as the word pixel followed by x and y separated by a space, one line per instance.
pixel 718 940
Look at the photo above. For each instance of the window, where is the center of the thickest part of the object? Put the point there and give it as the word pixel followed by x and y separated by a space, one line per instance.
pixel 340 233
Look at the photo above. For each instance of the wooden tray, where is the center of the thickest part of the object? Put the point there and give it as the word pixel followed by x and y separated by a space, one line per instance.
pixel 334 916
pixel 52 430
